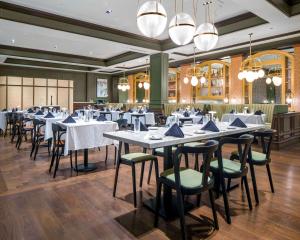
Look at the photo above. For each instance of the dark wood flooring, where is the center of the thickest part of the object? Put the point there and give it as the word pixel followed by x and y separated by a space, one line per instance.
pixel 35 206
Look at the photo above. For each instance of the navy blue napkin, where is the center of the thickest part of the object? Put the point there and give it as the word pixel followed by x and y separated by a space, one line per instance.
pixel 248 111
pixel 30 110
pixel 129 110
pixel 238 123
pixel 175 131
pixel 49 115
pixel 199 113
pixel 232 111
pixel 200 121
pixel 186 114
pixel 258 112
pixel 143 127
pixel 101 118
pixel 74 114
pixel 39 112
pixel 177 110
pixel 118 110
pixel 140 111
pixel 210 126
pixel 69 119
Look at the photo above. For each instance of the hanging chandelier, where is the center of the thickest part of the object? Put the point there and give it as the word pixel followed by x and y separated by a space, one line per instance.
pixel 275 77
pixel 182 27
pixel 194 79
pixel 123 84
pixel 152 19
pixel 251 72
pixel 206 36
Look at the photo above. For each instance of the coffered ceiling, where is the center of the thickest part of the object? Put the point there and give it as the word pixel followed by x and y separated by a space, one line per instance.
pixel 80 35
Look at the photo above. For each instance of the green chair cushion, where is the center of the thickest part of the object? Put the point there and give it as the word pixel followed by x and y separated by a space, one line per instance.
pixel 138 157
pixel 189 178
pixel 193 144
pixel 161 150
pixel 258 157
pixel 229 166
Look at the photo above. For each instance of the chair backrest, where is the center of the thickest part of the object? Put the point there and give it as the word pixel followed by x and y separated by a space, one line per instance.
pixel 37 124
pixel 243 144
pixel 58 131
pixel 207 150
pixel 266 137
pixel 122 123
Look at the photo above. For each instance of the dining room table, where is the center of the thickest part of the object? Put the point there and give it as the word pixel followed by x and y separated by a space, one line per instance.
pixel 245 117
pixel 146 118
pixel 85 135
pixel 155 138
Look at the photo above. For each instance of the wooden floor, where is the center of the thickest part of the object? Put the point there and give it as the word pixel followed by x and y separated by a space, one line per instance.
pixel 34 206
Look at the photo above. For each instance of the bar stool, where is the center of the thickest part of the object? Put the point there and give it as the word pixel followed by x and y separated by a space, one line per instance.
pixel 226 168
pixel 138 115
pixel 188 181
pixel 131 159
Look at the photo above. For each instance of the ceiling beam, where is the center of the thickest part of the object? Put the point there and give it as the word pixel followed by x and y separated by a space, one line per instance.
pixel 124 57
pixel 282 6
pixel 35 17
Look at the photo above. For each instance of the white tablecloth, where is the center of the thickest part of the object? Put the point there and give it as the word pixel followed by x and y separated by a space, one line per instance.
pixel 114 114
pixel 3 120
pixel 48 126
pixel 150 120
pixel 85 135
pixel 246 118
pixel 194 118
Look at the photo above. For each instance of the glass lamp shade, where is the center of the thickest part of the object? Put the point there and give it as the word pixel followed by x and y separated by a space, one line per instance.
pixel 151 19
pixel 202 80
pixel 289 100
pixel 186 80
pixel 182 29
pixel 127 87
pixel 268 81
pixel 119 86
pixel 226 100
pixel 146 85
pixel 194 81
pixel 140 85
pixel 250 76
pixel 206 37
pixel 277 81
pixel 261 73
pixel 241 75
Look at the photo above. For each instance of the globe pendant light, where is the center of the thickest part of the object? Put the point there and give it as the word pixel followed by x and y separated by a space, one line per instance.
pixel 182 27
pixel 151 19
pixel 268 81
pixel 147 75
pixel 194 80
pixel 206 36
pixel 186 80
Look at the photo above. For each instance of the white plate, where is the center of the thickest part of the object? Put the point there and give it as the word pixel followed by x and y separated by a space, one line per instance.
pixel 199 132
pixel 188 124
pixel 231 127
pixel 155 137
pixel 153 128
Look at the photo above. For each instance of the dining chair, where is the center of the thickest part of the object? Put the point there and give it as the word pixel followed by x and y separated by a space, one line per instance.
pixel 38 138
pixel 58 149
pixel 131 159
pixel 232 169
pixel 9 123
pixel 186 181
pixel 262 158
pixel 23 128
pixel 138 115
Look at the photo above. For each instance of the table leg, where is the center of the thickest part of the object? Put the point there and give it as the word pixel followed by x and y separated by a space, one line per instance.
pixel 86 166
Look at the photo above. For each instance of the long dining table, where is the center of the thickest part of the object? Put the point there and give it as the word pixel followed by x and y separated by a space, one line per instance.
pixel 144 140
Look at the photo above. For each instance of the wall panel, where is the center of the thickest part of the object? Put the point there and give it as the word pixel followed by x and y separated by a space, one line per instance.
pixel 62 100
pixel 71 90
pixel 28 81
pixel 40 96
pixel 52 82
pixel 27 97
pixel 14 80
pixel 2 97
pixel 40 82
pixel 3 80
pixel 14 96
pixel 63 83
pixel 52 92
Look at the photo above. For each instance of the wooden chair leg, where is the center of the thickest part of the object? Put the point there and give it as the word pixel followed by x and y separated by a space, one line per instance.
pixel 116 178
pixel 186 158
pixel 196 166
pixel 228 184
pixel 32 147
pixel 56 163
pixel 76 165
pixel 156 171
pixel 142 174
pixel 134 185
pixel 157 205
pixel 54 152
pixel 181 213
pixel 270 177
pixel 106 154
pixel 225 198
pixel 150 171
pixel 213 207
pixel 71 160
pixel 248 192
pixel 253 178
pixel 36 149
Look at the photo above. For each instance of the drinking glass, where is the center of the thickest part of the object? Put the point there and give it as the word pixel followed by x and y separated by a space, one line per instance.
pixel 136 124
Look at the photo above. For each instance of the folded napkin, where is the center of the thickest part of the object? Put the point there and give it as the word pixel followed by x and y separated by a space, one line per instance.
pixel 200 121
pixel 69 119
pixel 177 110
pixel 118 109
pixel 186 114
pixel 74 114
pixel 175 131
pixel 232 111
pixel 140 111
pixel 238 123
pixel 130 111
pixel 30 110
pixel 143 127
pixel 39 112
pixel 258 112
pixel 210 126
pixel 107 110
pixel 248 111
pixel 49 115
pixel 199 113
pixel 101 118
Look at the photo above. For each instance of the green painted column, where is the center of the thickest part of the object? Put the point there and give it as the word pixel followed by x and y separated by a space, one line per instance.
pixel 159 67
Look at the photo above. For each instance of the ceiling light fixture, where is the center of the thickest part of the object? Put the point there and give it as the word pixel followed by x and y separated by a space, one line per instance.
pixel 108 11
pixel 194 80
pixel 182 27
pixel 152 19
pixel 206 36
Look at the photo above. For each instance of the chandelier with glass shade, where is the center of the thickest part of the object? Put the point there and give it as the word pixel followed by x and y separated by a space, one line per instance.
pixel 123 84
pixel 182 27
pixel 146 82
pixel 274 76
pixel 152 19
pixel 250 72
pixel 206 36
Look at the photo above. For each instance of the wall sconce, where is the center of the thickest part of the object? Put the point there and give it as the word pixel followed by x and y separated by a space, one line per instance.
pixel 234 101
pixel 289 97
pixel 226 99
